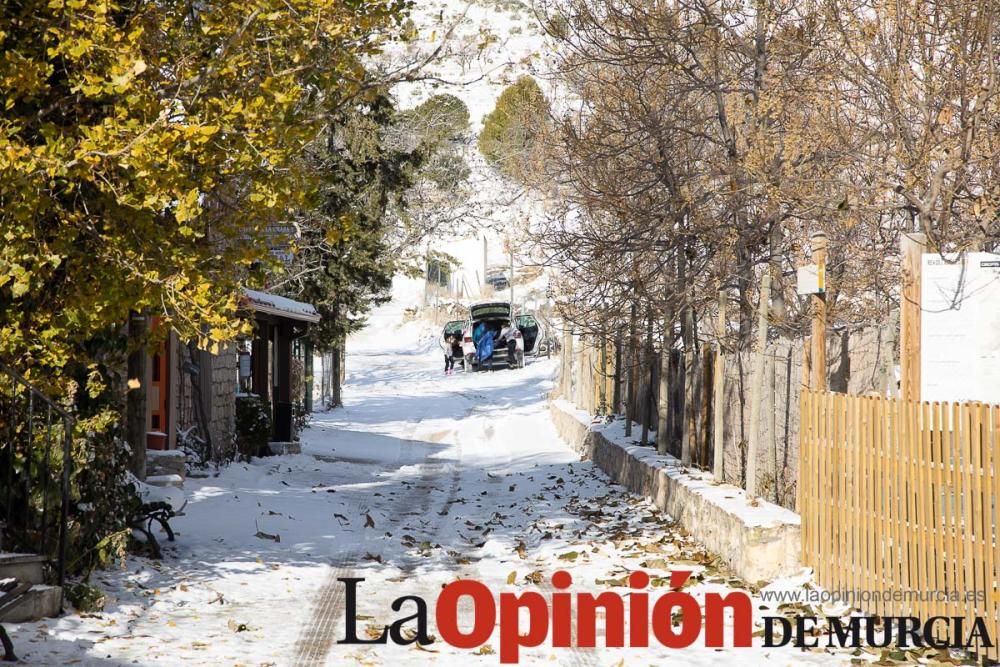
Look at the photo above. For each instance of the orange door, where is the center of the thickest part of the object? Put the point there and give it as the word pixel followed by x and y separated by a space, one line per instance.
pixel 159 390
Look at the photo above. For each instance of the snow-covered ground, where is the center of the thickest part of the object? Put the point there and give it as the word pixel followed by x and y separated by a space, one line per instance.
pixel 422 478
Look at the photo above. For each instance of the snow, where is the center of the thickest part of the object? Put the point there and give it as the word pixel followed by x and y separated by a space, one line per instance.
pixel 282 304
pixel 165 454
pixel 162 489
pixel 456 476
pixel 164 480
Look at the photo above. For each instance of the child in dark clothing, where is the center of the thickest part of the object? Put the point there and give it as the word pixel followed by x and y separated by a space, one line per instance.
pixel 456 352
pixel 449 353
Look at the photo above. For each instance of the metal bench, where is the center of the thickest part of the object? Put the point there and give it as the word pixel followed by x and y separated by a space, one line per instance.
pixel 11 591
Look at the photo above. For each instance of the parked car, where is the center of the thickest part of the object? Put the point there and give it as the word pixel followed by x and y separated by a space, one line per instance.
pixel 533 332
pixel 494 316
pixel 453 328
pixel 496 277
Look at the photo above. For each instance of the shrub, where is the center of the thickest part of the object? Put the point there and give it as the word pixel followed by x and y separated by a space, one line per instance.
pixel 253 425
pixel 102 496
pixel 512 128
pixel 86 598
pixel 441 118
pixel 300 419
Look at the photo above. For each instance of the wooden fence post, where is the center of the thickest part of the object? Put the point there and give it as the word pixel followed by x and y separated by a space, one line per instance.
pixel 757 386
pixel 912 246
pixel 719 393
pixel 818 338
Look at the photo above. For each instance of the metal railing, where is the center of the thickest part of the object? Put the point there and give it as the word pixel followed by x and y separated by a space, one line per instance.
pixel 35 433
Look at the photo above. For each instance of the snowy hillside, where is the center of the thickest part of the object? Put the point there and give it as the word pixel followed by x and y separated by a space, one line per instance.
pixel 485 46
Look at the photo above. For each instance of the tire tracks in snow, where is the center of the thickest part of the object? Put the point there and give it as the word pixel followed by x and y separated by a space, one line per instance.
pixel 433 495
pixel 318 636
pixel 574 655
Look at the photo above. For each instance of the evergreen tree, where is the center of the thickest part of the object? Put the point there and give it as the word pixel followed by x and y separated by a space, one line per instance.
pixel 344 265
pixel 511 130
pixel 359 230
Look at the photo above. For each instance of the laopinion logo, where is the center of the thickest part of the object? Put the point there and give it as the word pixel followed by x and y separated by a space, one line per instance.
pixel 675 619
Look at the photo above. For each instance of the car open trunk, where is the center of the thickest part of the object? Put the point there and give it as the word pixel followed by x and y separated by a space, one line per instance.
pixel 494 310
pixel 495 316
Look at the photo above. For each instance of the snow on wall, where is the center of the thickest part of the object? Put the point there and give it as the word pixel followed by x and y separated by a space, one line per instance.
pixel 854 362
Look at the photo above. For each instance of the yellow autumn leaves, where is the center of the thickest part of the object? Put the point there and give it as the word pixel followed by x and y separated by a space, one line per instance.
pixel 146 147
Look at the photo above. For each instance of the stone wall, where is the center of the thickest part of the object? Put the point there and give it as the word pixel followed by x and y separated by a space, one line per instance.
pixel 758 542
pixel 855 363
pixel 223 390
pixel 220 388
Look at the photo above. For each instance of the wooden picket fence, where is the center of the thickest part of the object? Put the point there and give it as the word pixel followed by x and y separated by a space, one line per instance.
pixel 903 496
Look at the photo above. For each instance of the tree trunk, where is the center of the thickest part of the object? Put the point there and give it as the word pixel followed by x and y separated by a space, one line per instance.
pixel 707 384
pixel 308 372
pixel 602 377
pixel 689 441
pixel 616 400
pixel 630 370
pixel 647 365
pixel 135 398
pixel 688 337
pixel 778 313
pixel 323 378
pixel 336 378
pixel 663 404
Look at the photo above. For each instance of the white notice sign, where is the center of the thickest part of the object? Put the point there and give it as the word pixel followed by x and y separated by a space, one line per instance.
pixel 810 279
pixel 960 328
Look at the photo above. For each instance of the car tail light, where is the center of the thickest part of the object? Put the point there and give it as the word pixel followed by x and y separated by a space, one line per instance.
pixel 467 339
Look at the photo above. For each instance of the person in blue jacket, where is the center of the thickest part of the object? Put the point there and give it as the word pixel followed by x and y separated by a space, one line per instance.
pixel 478 333
pixel 484 350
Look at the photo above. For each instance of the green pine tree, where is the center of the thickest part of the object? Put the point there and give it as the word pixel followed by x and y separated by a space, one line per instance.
pixel 511 130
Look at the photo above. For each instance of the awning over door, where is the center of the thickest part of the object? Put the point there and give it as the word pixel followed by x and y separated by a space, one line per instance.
pixel 280 306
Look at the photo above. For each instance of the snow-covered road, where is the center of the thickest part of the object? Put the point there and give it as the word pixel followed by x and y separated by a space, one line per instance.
pixel 420 479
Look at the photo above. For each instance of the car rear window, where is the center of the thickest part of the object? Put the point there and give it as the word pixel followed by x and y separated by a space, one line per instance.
pixel 490 311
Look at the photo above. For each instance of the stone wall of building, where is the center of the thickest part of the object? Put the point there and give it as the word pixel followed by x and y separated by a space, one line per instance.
pixel 221 393
pixel 224 387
